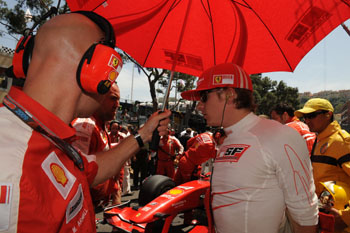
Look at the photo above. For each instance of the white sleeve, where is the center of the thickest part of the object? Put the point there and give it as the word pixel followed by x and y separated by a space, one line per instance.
pixel 294 174
pixel 84 128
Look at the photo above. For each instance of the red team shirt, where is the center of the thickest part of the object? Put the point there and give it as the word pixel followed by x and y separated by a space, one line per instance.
pixel 304 131
pixel 45 191
pixel 200 148
pixel 91 137
pixel 168 146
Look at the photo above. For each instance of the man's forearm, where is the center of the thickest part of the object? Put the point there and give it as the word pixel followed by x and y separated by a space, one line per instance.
pixel 110 162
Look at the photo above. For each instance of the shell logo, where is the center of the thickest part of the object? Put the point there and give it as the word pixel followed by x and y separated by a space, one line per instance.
pixel 217 79
pixel 175 191
pixel 59 174
pixel 112 76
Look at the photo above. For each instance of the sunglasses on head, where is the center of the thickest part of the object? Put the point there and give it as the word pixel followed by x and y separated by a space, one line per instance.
pixel 204 94
pixel 314 114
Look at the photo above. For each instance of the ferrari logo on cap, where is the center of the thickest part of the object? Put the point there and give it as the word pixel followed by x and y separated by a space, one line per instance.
pixel 217 79
pixel 58 173
pixel 223 79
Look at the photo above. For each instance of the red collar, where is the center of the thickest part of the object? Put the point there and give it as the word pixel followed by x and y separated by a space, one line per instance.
pixel 294 118
pixel 41 114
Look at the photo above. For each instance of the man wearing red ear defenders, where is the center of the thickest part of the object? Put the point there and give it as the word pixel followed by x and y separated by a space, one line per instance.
pixel 44 181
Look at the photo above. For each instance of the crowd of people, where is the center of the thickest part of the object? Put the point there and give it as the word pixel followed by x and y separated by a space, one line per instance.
pixel 64 154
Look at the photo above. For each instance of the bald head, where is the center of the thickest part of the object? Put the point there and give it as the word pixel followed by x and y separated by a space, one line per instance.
pixel 59 46
pixel 61 43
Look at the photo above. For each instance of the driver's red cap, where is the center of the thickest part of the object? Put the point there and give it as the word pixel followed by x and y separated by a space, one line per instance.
pixel 223 75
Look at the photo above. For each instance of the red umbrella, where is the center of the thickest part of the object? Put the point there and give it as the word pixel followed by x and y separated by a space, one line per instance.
pixel 191 35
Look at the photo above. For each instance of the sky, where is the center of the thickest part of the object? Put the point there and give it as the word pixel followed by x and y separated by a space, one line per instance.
pixel 325 67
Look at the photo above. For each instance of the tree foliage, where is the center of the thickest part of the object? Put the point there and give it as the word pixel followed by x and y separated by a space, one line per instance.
pixel 337 98
pixel 268 93
pixel 16 21
pixel 162 76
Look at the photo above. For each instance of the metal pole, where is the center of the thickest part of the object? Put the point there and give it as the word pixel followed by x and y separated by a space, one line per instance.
pixel 132 82
pixel 346 28
pixel 167 92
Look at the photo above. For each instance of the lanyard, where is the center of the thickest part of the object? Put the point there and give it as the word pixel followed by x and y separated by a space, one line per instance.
pixel 27 118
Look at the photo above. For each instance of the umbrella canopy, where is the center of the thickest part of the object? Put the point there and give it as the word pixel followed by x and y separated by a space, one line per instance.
pixel 190 36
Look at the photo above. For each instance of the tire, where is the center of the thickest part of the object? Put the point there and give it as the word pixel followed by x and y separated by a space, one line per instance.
pixel 153 187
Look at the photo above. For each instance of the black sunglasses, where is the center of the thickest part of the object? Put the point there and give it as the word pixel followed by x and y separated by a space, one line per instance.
pixel 204 94
pixel 314 114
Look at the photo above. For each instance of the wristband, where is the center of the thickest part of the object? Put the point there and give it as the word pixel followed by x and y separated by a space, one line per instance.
pixel 138 139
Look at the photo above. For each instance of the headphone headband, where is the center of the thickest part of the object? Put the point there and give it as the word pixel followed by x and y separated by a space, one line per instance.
pixel 104 25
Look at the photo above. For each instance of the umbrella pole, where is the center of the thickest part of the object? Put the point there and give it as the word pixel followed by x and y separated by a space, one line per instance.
pixel 167 92
pixel 345 28
pixel 155 136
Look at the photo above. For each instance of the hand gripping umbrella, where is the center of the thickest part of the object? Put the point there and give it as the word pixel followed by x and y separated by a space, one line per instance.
pixel 190 36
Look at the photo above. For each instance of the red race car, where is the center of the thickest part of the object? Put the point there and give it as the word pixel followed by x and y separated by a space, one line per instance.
pixel 159 203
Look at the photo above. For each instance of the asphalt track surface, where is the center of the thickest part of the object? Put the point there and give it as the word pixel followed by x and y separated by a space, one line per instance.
pixel 177 224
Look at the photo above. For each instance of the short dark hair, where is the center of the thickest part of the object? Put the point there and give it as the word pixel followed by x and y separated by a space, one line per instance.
pixel 113 122
pixel 245 99
pixel 282 108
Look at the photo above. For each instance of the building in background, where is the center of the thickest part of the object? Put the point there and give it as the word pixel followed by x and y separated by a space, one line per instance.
pixel 6 55
pixel 345 117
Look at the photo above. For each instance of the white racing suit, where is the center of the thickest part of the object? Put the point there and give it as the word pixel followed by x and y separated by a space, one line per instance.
pixel 262 168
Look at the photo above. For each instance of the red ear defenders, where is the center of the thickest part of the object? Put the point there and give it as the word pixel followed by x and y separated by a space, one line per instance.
pixel 101 64
pixel 22 56
pixel 98 68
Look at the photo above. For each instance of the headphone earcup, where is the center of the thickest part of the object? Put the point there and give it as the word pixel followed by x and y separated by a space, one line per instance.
pixel 98 69
pixel 22 56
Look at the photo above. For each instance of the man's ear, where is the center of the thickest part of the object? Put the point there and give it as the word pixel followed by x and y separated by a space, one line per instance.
pixel 329 114
pixel 285 117
pixel 229 93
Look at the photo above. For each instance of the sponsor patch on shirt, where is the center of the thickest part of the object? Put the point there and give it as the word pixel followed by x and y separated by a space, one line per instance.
pixel 75 205
pixel 231 153
pixel 5 205
pixel 58 174
pixel 206 138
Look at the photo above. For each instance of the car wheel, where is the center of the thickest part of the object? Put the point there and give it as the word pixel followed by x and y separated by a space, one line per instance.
pixel 153 187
